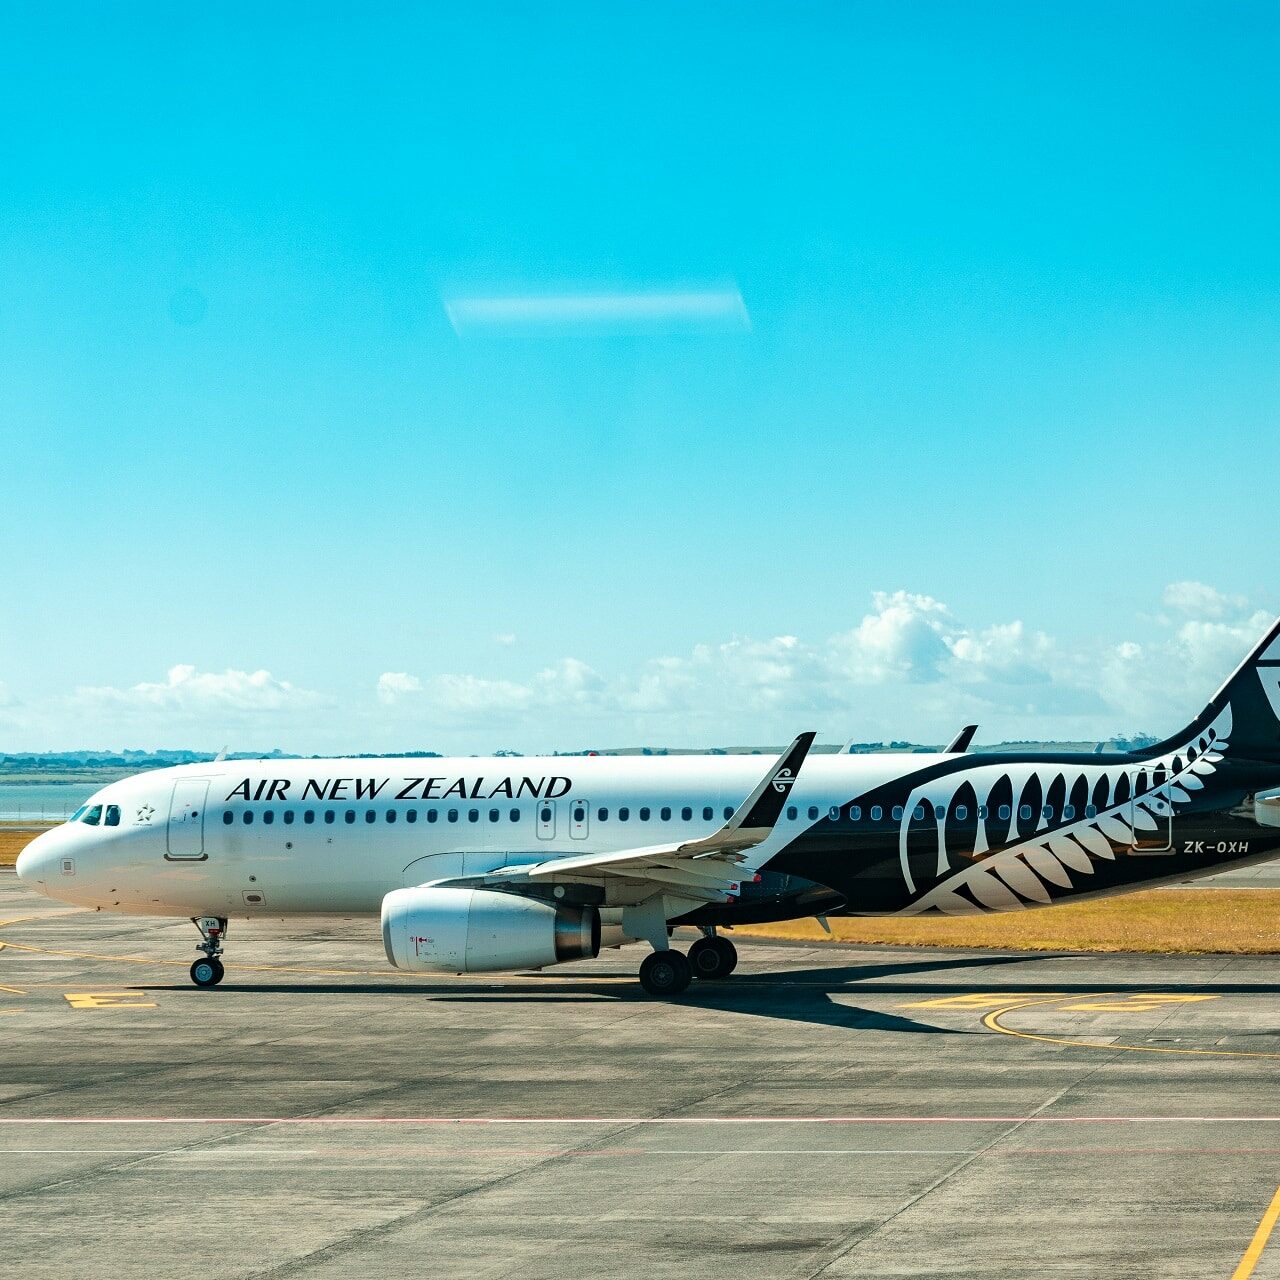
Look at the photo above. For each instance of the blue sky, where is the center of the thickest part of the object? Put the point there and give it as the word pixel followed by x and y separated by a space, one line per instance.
pixel 1003 337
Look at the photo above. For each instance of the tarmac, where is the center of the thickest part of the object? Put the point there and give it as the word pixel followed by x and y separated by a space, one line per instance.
pixel 829 1110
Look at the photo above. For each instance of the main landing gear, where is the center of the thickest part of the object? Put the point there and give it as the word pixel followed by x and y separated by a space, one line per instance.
pixel 208 971
pixel 668 973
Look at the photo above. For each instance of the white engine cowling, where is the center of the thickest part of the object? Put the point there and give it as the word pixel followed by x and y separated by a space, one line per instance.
pixel 447 930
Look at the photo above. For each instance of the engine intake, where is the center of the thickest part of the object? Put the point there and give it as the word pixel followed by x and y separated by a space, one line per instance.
pixel 444 930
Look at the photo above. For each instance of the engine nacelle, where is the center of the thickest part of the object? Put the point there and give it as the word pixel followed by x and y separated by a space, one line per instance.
pixel 446 930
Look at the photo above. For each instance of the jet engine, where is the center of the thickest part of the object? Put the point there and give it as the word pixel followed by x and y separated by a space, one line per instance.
pixel 456 930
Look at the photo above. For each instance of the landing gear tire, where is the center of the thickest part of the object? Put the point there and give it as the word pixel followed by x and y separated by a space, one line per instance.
pixel 207 972
pixel 665 973
pixel 712 958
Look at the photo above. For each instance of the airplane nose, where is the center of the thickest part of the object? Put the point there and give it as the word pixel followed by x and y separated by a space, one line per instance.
pixel 25 864
pixel 33 862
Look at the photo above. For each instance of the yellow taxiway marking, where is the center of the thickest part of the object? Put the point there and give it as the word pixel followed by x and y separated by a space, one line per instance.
pixel 974 1000
pixel 13 991
pixel 107 1000
pixel 992 1022
pixel 1139 1002
pixel 1259 1241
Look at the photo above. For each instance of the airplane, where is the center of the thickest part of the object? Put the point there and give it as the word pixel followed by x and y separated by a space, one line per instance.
pixel 502 863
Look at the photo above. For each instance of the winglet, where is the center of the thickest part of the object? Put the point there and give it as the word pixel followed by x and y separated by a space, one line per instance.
pixel 960 743
pixel 762 807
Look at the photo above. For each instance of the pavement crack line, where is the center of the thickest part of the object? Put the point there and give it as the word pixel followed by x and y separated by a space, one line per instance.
pixel 377 1231
pixel 852 1240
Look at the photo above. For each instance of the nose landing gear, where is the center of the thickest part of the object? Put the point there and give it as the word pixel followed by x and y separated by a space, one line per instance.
pixel 208 972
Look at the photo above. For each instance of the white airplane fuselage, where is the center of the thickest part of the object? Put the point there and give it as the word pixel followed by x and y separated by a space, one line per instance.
pixel 274 838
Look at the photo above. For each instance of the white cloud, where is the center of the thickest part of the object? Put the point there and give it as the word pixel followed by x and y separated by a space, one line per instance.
pixel 908 668
pixel 1201 601
pixel 393 685
pixel 505 638
pixel 718 307
pixel 188 690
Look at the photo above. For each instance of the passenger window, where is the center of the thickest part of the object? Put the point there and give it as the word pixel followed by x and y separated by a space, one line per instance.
pixel 349 817
pixel 834 813
pixel 494 815
pixel 813 812
pixel 113 816
pixel 545 816
pixel 1024 812
pixel 431 815
pixel 876 813
pixel 644 815
pixel 1091 811
pixel 1048 813
pixel 728 812
pixel 918 813
pixel 686 814
pixel 961 812
pixel 473 815
pixel 330 817
pixel 391 815
pixel 981 815
pixel 665 815
pixel 1005 813
pixel 309 817
pixel 411 815
pixel 706 813
pixel 897 813
pixel 370 815
pixel 93 817
pixel 623 814
pixel 268 816
pixel 452 815
pixel 288 817
pixel 228 817
pixel 855 813
pixel 248 817
pixel 940 812
pixel 792 812
pixel 602 815
pixel 1068 812
pixel 515 815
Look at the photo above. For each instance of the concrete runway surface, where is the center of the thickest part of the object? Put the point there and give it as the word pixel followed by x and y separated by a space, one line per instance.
pixel 828 1111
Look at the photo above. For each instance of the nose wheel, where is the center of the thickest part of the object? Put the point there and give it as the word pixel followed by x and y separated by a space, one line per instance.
pixel 208 970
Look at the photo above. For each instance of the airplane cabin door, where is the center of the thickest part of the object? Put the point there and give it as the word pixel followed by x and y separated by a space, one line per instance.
pixel 186 819
pixel 546 814
pixel 1150 815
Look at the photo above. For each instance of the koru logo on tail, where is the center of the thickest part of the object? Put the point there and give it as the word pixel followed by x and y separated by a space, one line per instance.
pixel 783 781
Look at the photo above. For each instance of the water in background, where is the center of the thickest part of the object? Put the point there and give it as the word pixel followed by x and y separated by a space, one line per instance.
pixel 42 800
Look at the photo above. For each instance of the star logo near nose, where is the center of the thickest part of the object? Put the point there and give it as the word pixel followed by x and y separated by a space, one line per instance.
pixel 144 814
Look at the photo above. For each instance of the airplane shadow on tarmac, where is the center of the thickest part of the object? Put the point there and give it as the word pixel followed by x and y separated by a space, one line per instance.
pixel 793 995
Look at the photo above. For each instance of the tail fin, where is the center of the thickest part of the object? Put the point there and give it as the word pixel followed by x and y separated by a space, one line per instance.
pixel 1252 692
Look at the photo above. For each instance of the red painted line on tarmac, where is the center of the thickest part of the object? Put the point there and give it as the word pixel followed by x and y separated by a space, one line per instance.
pixel 629 1120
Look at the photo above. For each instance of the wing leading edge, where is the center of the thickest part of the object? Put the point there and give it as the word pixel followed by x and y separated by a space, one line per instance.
pixel 704 869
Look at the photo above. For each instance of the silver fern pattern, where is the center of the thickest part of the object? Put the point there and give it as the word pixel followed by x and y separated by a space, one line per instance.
pixel 1015 869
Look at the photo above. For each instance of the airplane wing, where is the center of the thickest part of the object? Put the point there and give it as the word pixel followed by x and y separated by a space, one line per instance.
pixel 705 869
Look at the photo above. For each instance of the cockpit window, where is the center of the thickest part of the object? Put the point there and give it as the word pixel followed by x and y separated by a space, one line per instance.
pixel 94 816
pixel 113 816
pixel 79 813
